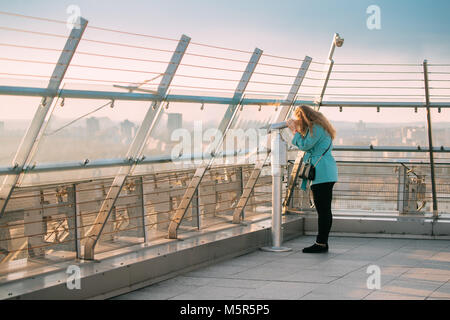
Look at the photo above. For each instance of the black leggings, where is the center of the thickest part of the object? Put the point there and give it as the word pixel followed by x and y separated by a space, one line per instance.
pixel 323 194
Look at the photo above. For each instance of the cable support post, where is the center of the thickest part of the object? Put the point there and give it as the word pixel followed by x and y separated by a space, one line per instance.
pixel 430 140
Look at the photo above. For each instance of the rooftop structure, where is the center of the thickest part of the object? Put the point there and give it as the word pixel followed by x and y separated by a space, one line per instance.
pixel 109 167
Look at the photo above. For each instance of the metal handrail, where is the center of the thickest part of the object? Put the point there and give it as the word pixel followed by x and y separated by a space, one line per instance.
pixel 105 163
pixel 131 96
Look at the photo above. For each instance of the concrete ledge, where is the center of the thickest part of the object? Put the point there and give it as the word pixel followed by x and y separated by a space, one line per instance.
pixel 146 265
pixel 402 227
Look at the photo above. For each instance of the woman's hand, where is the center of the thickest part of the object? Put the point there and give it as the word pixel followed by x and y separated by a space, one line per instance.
pixel 292 124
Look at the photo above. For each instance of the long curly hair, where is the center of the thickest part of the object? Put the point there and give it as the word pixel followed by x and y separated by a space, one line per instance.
pixel 307 117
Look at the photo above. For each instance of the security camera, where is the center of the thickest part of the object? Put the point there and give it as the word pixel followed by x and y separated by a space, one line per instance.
pixel 338 41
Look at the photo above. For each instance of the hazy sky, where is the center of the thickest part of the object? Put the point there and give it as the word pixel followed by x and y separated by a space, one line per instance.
pixel 411 30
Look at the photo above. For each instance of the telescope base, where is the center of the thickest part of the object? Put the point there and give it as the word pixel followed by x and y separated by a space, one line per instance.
pixel 276 249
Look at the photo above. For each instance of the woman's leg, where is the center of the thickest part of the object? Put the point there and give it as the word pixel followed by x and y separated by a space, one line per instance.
pixel 323 195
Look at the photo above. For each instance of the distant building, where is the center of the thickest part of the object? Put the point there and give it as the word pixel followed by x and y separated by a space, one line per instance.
pixel 92 126
pixel 414 136
pixel 441 137
pixel 174 121
pixel 360 126
pixel 127 130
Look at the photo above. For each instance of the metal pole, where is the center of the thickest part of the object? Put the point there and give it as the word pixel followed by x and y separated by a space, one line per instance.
pixel 337 40
pixel 278 160
pixel 430 139
pixel 141 194
pixel 29 140
pixel 240 175
pixel 402 176
pixel 196 207
pixel 77 223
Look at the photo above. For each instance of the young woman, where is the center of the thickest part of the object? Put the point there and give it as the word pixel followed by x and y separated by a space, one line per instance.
pixel 314 134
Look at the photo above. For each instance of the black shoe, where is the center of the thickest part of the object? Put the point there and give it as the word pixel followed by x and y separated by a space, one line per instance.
pixel 315 248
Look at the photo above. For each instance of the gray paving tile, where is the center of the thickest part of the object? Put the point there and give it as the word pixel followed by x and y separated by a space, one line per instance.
pixel 381 295
pixel 211 292
pixel 388 243
pixel 401 289
pixel 313 256
pixel 428 274
pixel 419 253
pixel 275 255
pixel 251 259
pixel 441 293
pixel 253 298
pixel 433 264
pixel 280 290
pixel 299 243
pixel 238 283
pixel 357 257
pixel 410 269
pixel 440 257
pixel 159 291
pixel 366 253
pixel 338 262
pixel 312 276
pixel 336 268
pixel 186 280
pixel 349 240
pixel 336 292
pixel 301 261
pixel 346 246
pixel 393 270
pixel 217 271
pixel 438 298
pixel 410 258
pixel 358 278
pixel 135 295
pixel 267 271
pixel 429 244
pixel 306 239
pixel 188 296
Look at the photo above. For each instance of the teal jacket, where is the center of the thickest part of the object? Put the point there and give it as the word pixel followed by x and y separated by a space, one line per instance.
pixel 314 145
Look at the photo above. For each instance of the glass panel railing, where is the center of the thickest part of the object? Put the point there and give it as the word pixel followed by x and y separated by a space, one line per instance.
pixel 40 226
pixel 16 114
pixel 440 123
pixel 183 131
pixel 84 131
pixel 388 127
pixel 247 134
